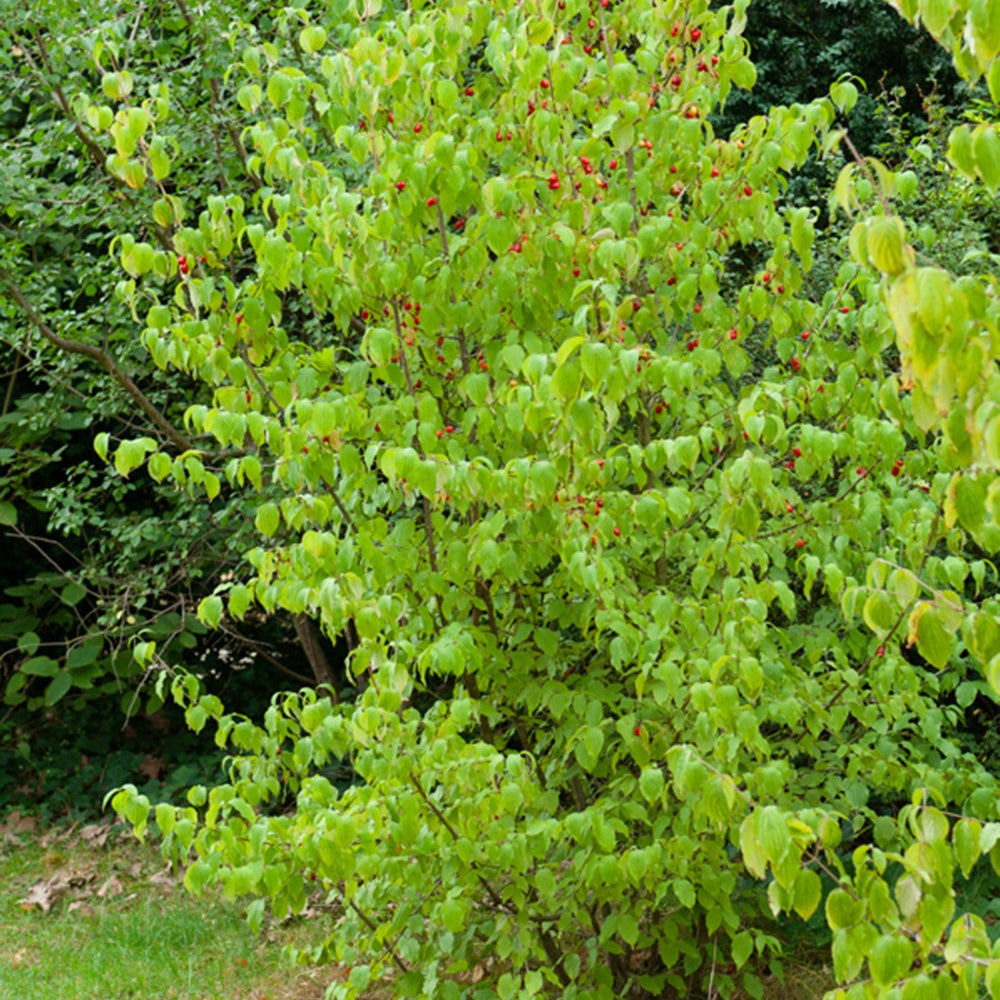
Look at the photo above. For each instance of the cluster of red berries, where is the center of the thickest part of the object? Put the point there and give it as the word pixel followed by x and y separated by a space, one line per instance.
pixel 897 468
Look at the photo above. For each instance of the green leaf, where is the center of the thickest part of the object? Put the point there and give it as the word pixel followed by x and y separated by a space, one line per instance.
pixel 40 666
pixel 890 959
pixel 806 893
pixel 651 784
pixel 8 514
pixel 986 149
pixel 57 687
pixel 684 891
pixel 886 243
pixel 773 833
pixel 267 519
pixel 934 641
pixel 843 909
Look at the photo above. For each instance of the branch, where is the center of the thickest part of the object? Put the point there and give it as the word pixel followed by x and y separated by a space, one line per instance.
pixel 102 358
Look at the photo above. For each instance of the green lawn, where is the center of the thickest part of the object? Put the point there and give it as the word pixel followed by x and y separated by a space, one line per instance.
pixel 85 915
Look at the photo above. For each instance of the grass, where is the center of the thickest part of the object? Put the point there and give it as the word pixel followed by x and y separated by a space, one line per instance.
pixel 88 914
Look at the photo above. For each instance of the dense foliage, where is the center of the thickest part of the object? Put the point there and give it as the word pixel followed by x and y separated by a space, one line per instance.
pixel 658 536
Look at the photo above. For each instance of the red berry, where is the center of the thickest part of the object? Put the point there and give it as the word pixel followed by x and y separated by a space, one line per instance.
pixel 239 318
pixel 880 651
pixel 800 543
pixel 418 128
pixel 400 185
pixel 613 165
pixel 439 433
pixel 805 334
pixel 617 531
pixel 515 248
pixel 766 277
pixel 695 34
pixel 544 84
pixel 734 334
pixel 469 91
pixel 449 429
pixel 692 344
pixel 797 452
pixel 432 201
pixel 747 190
pixel 796 364
pixel 637 731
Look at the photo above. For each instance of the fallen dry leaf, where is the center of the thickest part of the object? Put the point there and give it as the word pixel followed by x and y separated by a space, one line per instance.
pixel 22 958
pixel 45 893
pixel 79 906
pixel 112 887
pixel 95 834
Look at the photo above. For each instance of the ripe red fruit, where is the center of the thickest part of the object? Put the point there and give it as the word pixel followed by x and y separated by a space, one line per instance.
pixel 766 277
pixel 469 91
pixel 182 264
pixel 845 309
pixel 734 334
pixel 747 190
pixel 880 651
pixel 805 334
pixel 617 531
pixel 439 433
pixel 576 272
pixel 692 344
pixel 695 34
pixel 613 165
pixel 796 364
pixel 675 80
pixel 418 128
pixel 715 171
pixel 637 731
pixel 449 429
pixel 544 84
pixel 239 318
pixel 515 248
pixel 432 201
pixel 800 543
pixel 797 452
pixel 861 470
pixel 400 185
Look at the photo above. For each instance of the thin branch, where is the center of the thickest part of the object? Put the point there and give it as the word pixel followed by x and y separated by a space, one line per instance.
pixel 102 358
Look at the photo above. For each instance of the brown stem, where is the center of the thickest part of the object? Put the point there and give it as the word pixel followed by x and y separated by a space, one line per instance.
pixel 102 358
pixel 371 925
pixel 312 645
